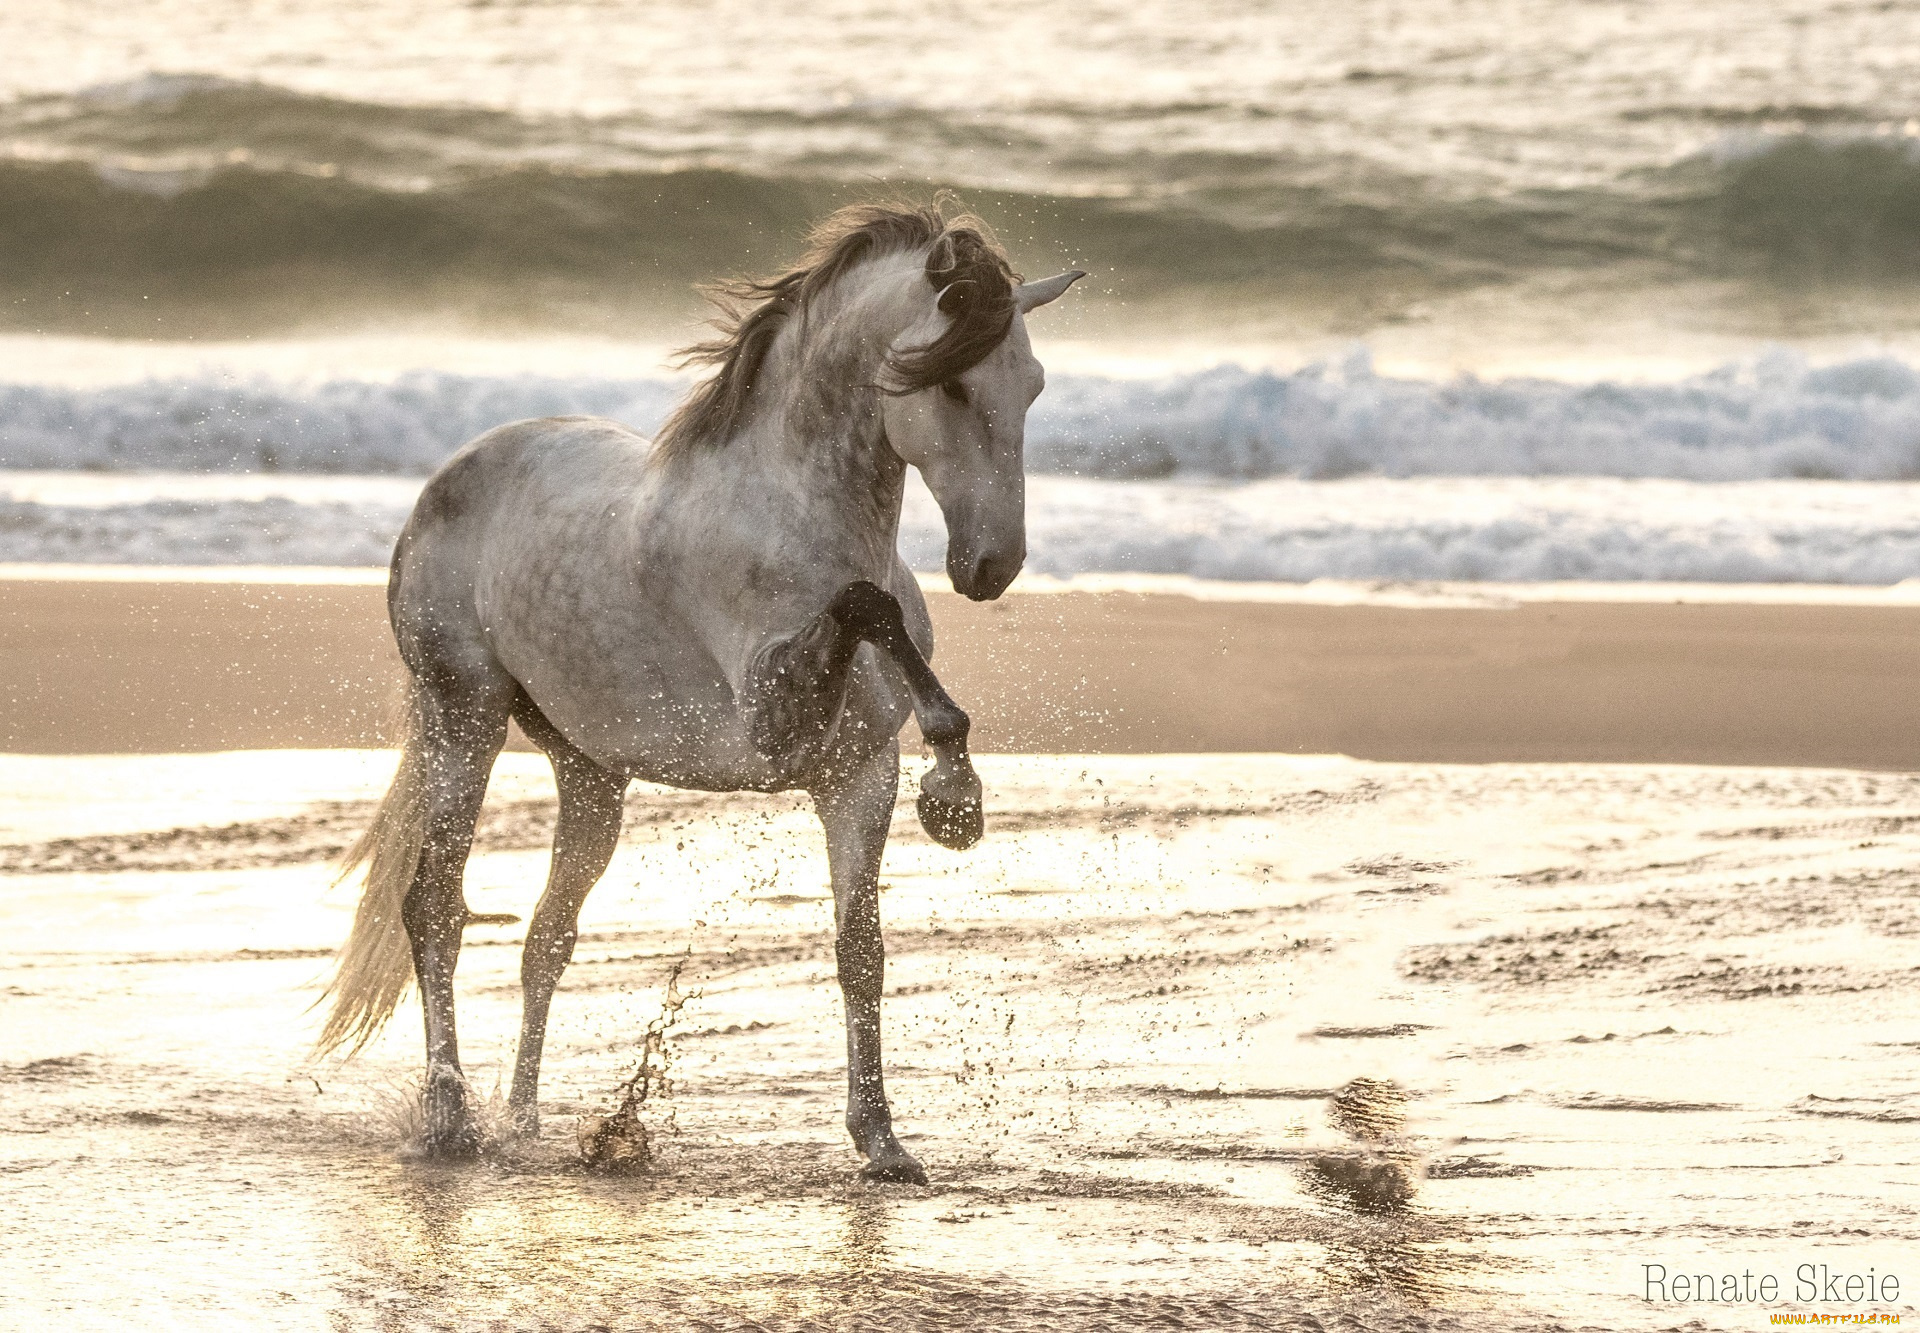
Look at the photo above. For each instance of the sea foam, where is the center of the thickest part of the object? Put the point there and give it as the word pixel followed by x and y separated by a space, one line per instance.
pixel 1770 471
pixel 1776 417
pixel 1287 530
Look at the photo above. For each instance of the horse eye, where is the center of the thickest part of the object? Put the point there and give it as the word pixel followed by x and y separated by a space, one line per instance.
pixel 955 390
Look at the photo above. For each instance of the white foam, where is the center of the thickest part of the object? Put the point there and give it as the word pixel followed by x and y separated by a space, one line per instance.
pixel 408 424
pixel 1363 529
pixel 1777 417
pixel 277 531
pixel 1502 529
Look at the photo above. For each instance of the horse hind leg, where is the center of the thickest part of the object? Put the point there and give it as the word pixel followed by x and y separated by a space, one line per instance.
pixel 462 728
pixel 950 804
pixel 583 842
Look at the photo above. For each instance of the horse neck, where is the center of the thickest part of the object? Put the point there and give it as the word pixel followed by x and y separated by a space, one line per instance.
pixel 818 430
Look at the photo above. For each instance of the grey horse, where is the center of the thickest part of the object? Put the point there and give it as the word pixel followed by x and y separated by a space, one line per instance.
pixel 722 609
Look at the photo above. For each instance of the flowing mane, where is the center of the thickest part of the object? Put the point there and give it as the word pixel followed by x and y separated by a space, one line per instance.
pixel 964 264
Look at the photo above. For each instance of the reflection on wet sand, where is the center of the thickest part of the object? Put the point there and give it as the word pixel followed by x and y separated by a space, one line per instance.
pixel 1203 1042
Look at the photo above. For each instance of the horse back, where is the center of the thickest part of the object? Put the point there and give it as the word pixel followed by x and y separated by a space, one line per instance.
pixel 527 483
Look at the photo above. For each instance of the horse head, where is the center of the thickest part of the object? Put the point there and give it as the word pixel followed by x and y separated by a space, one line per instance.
pixel 965 375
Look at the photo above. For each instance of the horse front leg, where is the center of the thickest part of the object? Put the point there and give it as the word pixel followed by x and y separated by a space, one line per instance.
pixel 950 804
pixel 856 809
pixel 797 688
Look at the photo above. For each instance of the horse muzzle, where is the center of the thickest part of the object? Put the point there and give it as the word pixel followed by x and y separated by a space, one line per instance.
pixel 983 576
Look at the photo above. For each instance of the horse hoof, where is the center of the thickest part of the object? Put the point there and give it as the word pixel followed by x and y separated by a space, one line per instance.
pixel 460 1144
pixel 903 1169
pixel 958 826
pixel 450 1132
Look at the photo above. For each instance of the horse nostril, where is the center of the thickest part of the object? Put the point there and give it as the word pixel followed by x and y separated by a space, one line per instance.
pixel 992 574
pixel 983 577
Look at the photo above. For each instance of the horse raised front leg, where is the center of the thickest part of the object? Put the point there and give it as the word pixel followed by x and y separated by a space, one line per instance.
pixel 460 739
pixel 583 842
pixel 950 795
pixel 855 811
pixel 799 686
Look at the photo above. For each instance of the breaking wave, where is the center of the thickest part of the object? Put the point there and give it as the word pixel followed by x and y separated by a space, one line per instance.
pixel 1779 417
pixel 408 425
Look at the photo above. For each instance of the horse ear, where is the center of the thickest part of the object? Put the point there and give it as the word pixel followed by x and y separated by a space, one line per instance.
pixel 940 259
pixel 1032 295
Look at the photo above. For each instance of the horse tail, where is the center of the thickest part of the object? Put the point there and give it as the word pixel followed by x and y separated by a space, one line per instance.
pixel 375 964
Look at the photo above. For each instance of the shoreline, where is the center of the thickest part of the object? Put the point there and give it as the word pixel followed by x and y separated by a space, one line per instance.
pixel 1318 592
pixel 165 660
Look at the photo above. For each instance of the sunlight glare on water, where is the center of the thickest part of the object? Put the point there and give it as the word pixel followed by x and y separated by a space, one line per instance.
pixel 1239 1041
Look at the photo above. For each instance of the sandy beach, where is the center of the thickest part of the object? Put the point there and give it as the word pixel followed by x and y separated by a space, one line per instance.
pixel 145 660
pixel 1201 1040
pixel 1188 1042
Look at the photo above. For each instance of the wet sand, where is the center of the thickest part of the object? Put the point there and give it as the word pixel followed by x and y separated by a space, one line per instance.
pixel 167 661
pixel 1218 1041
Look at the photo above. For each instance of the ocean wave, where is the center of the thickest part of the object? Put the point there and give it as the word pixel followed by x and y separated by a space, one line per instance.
pixel 408 425
pixel 172 205
pixel 1500 530
pixel 1777 417
pixel 1510 530
pixel 276 530
pixel 1774 417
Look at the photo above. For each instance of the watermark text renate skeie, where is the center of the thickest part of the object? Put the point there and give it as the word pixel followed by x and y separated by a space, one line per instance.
pixel 1810 1282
